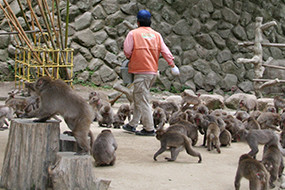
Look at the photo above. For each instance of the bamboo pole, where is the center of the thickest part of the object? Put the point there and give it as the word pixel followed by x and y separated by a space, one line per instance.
pixel 66 23
pixel 263 44
pixel 25 18
pixel 59 23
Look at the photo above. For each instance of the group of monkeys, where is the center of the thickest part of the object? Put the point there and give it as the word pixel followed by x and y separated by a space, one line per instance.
pixel 54 97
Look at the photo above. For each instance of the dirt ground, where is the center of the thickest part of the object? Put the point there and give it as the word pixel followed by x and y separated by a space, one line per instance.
pixel 136 169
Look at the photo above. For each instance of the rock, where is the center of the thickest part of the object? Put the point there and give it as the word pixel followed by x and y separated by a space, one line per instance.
pixel 212 101
pixel 87 38
pixel 80 63
pixel 233 101
pixel 83 21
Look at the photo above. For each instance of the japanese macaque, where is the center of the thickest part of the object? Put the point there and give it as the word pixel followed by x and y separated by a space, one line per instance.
pixel 213 140
pixel 252 124
pixel 192 131
pixel 17 103
pixel 255 114
pixel 255 137
pixel 247 105
pixel 202 122
pixel 56 97
pixel 159 117
pixel 122 114
pixel 101 95
pixel 278 103
pixel 175 141
pixel 5 112
pixel 241 115
pixel 106 116
pixel 219 113
pixel 269 120
pixel 169 107
pixel 252 170
pixel 233 125
pixel 176 116
pixel 96 104
pixel 104 149
pixel 225 138
pixel 203 109
pixel 271 108
pixel 188 99
pixel 273 161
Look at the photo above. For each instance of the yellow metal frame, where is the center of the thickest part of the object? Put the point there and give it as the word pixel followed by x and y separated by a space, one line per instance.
pixel 28 68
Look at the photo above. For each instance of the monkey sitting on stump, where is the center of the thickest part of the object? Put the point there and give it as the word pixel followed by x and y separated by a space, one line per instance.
pixel 252 170
pixel 175 141
pixel 104 149
pixel 56 97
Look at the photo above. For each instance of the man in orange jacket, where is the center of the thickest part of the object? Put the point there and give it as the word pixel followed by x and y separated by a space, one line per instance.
pixel 142 47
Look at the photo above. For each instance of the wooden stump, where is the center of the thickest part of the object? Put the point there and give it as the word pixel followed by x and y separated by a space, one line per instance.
pixel 68 143
pixel 31 148
pixel 75 172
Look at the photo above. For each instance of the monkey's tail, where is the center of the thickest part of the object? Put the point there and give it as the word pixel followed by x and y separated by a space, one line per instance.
pixel 189 148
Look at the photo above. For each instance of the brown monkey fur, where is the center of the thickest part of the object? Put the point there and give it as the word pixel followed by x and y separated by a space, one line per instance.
pixel 188 99
pixel 242 115
pixel 252 170
pixel 56 97
pixel 175 141
pixel 123 112
pixel 282 138
pixel 247 105
pixel 269 120
pixel 213 133
pixel 106 116
pixel 255 137
pixel 252 124
pixel 168 106
pixel 225 138
pixel 278 103
pixel 159 117
pixel 191 129
pixel 104 149
pixel 177 116
pixel 272 159
pixel 96 104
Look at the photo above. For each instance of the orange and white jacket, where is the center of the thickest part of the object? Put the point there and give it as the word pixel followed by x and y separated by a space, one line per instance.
pixel 143 47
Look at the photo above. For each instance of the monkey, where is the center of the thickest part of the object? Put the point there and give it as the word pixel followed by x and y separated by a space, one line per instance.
pixel 96 104
pixel 271 108
pixel 241 115
pixel 56 97
pixel 252 170
pixel 123 112
pixel 278 103
pixel 247 105
pixel 269 120
pixel 101 95
pixel 5 112
pixel 188 99
pixel 203 109
pixel 169 107
pixel 104 149
pixel 225 138
pixel 174 141
pixel 192 131
pixel 254 137
pixel 18 104
pixel 252 124
pixel 176 116
pixel 213 133
pixel 219 113
pixel 255 114
pixel 190 115
pixel 233 125
pixel 159 117
pixel 282 138
pixel 119 120
pixel 273 161
pixel 202 122
pixel 106 116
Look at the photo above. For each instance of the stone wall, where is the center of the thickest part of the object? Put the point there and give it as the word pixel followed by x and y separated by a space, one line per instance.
pixel 202 35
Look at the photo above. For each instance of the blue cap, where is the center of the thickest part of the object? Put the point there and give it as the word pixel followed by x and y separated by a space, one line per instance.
pixel 143 15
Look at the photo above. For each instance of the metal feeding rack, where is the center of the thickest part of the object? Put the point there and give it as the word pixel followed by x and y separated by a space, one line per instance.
pixel 30 64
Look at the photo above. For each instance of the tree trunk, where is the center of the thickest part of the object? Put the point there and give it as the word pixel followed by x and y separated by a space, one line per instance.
pixel 75 172
pixel 31 148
